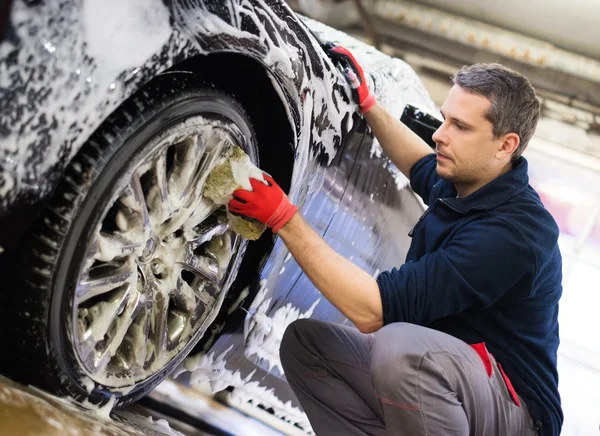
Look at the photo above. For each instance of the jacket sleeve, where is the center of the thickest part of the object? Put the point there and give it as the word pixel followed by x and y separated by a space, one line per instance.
pixel 484 261
pixel 423 176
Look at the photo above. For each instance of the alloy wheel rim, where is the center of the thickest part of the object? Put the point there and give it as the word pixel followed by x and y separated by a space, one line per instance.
pixel 161 260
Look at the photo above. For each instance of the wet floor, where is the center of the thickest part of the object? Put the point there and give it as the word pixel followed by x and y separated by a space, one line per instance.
pixel 171 409
pixel 26 411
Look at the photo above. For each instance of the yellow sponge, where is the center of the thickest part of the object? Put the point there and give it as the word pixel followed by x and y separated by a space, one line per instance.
pixel 233 172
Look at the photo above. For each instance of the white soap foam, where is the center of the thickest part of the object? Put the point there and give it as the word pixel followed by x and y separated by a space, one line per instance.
pixel 210 370
pixel 125 34
pixel 264 337
pixel 75 65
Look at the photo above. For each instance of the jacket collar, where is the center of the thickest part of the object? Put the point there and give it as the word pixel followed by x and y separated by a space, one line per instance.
pixel 495 193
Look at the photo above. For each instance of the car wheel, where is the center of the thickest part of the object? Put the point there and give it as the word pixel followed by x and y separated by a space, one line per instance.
pixel 128 265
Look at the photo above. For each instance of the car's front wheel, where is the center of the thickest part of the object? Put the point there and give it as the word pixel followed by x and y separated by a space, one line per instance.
pixel 128 265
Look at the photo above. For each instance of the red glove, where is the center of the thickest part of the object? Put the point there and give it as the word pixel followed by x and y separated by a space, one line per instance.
pixel 354 75
pixel 266 203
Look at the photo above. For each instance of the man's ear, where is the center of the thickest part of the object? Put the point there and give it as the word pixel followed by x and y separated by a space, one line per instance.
pixel 508 144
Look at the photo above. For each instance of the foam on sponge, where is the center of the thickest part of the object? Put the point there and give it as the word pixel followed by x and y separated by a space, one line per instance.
pixel 232 172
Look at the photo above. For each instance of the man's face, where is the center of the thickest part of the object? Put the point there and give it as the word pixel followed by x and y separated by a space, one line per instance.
pixel 466 147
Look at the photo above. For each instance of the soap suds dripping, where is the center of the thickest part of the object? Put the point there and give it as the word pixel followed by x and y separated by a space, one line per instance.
pixel 266 332
pixel 209 372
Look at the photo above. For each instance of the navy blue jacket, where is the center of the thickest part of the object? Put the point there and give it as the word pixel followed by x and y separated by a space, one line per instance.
pixel 486 268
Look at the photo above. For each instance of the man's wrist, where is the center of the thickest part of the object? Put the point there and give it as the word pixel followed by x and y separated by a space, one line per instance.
pixel 282 214
pixel 289 227
pixel 372 110
pixel 368 104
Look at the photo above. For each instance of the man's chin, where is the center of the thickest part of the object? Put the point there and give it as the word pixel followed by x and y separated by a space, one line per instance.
pixel 443 174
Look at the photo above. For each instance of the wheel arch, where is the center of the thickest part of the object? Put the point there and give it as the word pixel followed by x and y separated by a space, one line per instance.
pixel 252 85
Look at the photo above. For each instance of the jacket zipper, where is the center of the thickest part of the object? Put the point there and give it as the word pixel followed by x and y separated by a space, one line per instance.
pixel 441 200
pixel 412 232
pixel 444 202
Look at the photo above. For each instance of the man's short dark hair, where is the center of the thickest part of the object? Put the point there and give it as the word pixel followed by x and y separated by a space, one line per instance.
pixel 515 107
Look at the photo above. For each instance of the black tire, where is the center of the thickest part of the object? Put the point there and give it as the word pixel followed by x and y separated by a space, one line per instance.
pixel 40 303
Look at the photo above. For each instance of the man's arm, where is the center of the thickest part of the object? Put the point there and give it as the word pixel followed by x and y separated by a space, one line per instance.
pixel 400 144
pixel 354 292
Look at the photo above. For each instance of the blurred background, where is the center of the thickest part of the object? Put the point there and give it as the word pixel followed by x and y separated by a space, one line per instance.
pixel 555 43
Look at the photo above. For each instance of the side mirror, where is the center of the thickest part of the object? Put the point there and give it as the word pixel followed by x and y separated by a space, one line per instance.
pixel 423 124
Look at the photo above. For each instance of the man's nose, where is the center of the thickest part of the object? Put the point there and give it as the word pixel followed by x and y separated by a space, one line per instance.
pixel 440 135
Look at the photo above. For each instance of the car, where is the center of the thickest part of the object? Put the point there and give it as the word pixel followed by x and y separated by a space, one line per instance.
pixel 114 265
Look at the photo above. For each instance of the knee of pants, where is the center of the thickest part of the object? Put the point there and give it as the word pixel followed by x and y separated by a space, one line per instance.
pixel 291 344
pixel 395 352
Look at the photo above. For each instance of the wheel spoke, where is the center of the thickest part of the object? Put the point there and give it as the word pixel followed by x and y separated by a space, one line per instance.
pixel 98 320
pixel 204 296
pixel 200 212
pixel 158 323
pixel 108 279
pixel 104 313
pixel 158 195
pixel 215 145
pixel 110 246
pixel 85 347
pixel 220 249
pixel 204 233
pixel 123 322
pixel 177 327
pixel 187 199
pixel 185 295
pixel 133 198
pixel 187 156
pixel 204 266
pixel 139 336
pixel 201 208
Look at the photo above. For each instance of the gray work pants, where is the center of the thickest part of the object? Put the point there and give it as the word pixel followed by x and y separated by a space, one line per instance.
pixel 402 380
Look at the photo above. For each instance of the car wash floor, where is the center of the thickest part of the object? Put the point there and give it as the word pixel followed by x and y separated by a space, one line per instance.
pixel 172 409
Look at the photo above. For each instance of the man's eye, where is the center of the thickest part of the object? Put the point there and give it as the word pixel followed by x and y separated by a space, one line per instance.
pixel 459 127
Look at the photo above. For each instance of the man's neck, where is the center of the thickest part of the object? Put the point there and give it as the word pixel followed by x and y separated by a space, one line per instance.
pixel 465 189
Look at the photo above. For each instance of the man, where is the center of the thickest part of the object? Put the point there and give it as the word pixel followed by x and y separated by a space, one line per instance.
pixel 462 338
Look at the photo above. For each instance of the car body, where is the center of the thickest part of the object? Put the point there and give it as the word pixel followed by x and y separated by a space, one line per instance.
pixel 76 78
